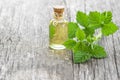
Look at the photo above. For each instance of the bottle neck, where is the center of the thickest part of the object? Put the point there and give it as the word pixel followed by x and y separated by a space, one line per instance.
pixel 58 16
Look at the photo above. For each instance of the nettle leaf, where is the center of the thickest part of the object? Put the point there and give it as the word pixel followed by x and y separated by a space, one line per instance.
pixel 81 56
pixel 90 39
pixel 81 46
pixel 51 30
pixel 69 44
pixel 82 18
pixel 109 29
pixel 89 31
pixel 94 19
pixel 80 34
pixel 106 17
pixel 85 47
pixel 72 28
pixel 98 52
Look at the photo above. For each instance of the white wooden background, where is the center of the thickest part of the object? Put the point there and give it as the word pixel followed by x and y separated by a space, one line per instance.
pixel 24 38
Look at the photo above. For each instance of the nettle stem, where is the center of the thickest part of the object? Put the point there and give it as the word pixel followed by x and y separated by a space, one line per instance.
pixel 98 37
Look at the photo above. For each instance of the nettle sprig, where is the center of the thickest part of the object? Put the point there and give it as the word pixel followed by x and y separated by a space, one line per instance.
pixel 83 37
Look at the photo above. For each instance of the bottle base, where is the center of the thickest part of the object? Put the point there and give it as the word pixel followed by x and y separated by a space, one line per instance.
pixel 57 46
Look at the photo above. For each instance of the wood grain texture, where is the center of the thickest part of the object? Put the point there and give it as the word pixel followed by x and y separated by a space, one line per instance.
pixel 24 40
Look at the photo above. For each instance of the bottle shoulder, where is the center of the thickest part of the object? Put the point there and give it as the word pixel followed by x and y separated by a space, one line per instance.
pixel 58 21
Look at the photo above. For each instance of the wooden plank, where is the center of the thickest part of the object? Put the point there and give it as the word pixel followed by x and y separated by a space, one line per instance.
pixel 24 53
pixel 38 64
pixel 116 37
pixel 116 48
pixel 74 6
pixel 104 69
pixel 115 10
pixel 24 43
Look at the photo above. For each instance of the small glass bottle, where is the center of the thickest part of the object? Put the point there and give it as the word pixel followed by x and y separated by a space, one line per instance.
pixel 58 29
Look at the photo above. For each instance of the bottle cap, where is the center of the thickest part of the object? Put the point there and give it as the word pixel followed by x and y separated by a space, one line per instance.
pixel 58 10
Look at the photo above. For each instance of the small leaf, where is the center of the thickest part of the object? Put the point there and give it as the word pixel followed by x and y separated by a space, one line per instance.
pixel 106 17
pixel 89 31
pixel 81 46
pixel 80 57
pixel 69 44
pixel 82 19
pixel 94 19
pixel 80 34
pixel 72 28
pixel 98 52
pixel 109 28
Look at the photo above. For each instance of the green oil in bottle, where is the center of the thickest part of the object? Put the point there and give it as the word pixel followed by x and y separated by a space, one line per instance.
pixel 58 29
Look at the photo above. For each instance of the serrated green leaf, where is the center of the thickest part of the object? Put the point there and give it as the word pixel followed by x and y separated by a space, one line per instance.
pixel 69 44
pixel 109 29
pixel 90 39
pixel 89 31
pixel 84 47
pixel 80 34
pixel 51 30
pixel 81 46
pixel 106 17
pixel 72 28
pixel 81 56
pixel 94 19
pixel 98 52
pixel 82 18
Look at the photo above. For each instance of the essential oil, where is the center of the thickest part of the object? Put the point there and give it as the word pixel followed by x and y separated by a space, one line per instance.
pixel 58 29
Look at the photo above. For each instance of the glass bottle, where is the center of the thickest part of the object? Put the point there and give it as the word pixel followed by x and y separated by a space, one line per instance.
pixel 58 29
